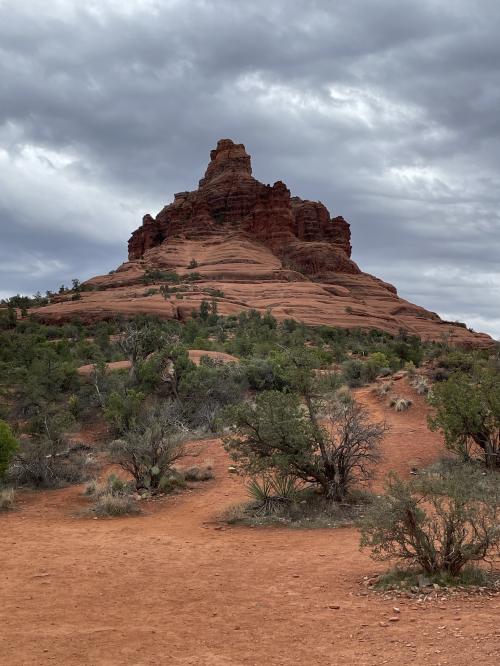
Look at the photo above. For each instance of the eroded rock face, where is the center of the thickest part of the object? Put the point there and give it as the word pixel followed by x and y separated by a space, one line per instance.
pixel 229 198
pixel 255 247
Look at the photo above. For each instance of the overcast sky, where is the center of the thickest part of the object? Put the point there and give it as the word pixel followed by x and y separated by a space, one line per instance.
pixel 387 111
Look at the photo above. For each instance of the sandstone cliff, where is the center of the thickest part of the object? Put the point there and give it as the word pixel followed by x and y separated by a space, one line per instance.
pixel 253 246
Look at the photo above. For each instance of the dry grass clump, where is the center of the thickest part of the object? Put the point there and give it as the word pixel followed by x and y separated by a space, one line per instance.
pixel 111 497
pixel 201 473
pixel 7 497
pixel 48 465
pixel 383 389
pixel 400 404
pixel 421 385
pixel 115 505
pixel 113 485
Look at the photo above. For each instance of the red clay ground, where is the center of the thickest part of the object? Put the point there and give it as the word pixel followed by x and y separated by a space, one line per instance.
pixel 176 587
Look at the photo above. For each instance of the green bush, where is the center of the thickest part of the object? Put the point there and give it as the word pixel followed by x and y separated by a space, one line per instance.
pixel 467 411
pixel 150 446
pixel 8 447
pixel 353 373
pixel 207 388
pixel 277 436
pixel 438 522
pixel 122 409
pixel 155 275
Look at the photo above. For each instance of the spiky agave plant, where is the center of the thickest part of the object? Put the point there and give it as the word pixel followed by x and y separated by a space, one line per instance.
pixel 272 493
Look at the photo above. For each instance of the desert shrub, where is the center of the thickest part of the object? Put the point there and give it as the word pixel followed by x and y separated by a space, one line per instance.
pixel 408 350
pixel 374 364
pixel 353 373
pixel 263 375
pixel 74 406
pixel 400 404
pixel 205 389
pixel 123 408
pixel 457 360
pixel 208 311
pixel 7 497
pixel 193 264
pixel 8 447
pixel 150 446
pixel 440 374
pixel 438 522
pixel 467 411
pixel 198 473
pixel 277 435
pixel 46 463
pixel 331 383
pixel 155 275
pixel 139 339
pixel 113 505
pixel 215 293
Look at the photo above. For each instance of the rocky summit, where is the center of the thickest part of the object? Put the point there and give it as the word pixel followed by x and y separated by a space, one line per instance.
pixel 250 246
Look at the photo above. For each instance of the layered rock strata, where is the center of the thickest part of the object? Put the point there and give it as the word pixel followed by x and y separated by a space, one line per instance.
pixel 253 246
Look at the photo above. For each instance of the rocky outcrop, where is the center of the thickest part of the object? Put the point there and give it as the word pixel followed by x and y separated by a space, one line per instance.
pixel 229 198
pixel 254 246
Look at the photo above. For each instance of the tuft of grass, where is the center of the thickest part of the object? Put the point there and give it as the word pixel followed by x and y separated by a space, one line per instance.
pixel 172 482
pixel 7 498
pixel 383 389
pixel 414 579
pixel 112 486
pixel 115 505
pixel 309 510
pixel 400 404
pixel 202 473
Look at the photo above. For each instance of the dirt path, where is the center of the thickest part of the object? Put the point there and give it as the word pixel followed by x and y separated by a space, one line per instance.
pixel 175 587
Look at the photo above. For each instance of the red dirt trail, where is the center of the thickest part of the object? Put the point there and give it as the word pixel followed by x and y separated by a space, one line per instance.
pixel 176 587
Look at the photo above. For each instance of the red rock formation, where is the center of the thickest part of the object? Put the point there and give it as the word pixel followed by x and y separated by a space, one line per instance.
pixel 264 250
pixel 229 198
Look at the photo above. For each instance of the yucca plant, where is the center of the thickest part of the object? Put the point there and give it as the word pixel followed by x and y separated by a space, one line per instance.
pixel 421 385
pixel 272 493
pixel 401 404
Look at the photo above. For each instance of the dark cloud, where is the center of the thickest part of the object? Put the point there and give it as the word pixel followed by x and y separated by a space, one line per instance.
pixel 387 112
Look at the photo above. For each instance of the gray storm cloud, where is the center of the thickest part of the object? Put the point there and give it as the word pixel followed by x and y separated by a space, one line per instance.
pixel 387 112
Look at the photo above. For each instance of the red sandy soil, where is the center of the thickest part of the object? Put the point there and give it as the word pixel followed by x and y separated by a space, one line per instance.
pixel 176 586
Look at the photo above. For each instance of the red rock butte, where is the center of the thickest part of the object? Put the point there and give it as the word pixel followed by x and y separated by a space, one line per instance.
pixel 255 247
